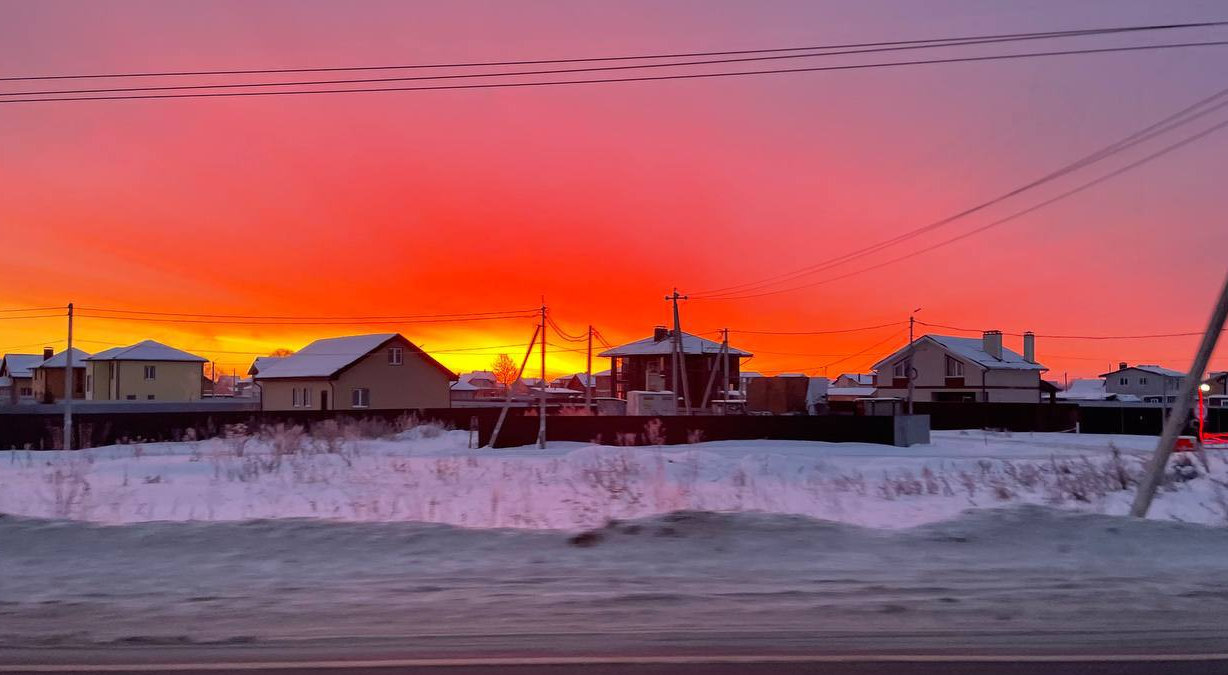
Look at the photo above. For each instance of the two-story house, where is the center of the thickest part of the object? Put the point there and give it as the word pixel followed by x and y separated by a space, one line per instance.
pixel 1151 383
pixel 948 368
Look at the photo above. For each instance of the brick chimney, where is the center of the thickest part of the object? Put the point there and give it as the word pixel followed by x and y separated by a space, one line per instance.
pixel 1121 365
pixel 1029 347
pixel 660 333
pixel 48 352
pixel 991 342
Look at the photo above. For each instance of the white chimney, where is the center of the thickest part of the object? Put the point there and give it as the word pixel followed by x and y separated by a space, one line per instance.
pixel 992 343
pixel 1029 347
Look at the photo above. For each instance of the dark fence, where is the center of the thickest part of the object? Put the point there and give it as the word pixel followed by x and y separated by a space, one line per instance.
pixel 1140 420
pixel 44 431
pixel 1007 416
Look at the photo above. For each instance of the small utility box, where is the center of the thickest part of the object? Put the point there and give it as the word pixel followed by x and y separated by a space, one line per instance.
pixel 880 407
pixel 653 403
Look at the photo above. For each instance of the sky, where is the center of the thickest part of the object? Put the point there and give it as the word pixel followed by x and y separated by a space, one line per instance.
pixel 602 199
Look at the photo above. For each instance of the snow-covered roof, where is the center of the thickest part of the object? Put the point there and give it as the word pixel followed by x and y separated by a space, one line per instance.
pixel 859 378
pixel 21 365
pixel 602 373
pixel 750 373
pixel 1149 368
pixel 583 377
pixel 1084 390
pixel 6 381
pixel 791 375
pixel 971 349
pixel 650 346
pixel 262 363
pixel 146 350
pixel 851 391
pixel 60 360
pixel 323 358
pixel 463 385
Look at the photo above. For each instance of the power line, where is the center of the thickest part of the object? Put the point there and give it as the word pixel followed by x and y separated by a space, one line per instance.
pixel 36 316
pixel 31 309
pixel 1169 123
pixel 817 332
pixel 304 323
pixel 1001 221
pixel 645 78
pixel 674 55
pixel 560 71
pixel 283 317
pixel 1072 337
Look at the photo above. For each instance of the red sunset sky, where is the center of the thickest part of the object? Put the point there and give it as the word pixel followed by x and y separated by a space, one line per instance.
pixel 603 198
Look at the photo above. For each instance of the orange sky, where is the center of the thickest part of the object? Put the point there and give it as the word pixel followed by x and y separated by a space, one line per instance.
pixel 602 199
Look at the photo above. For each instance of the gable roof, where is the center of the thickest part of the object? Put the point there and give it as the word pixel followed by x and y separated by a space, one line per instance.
pixel 860 378
pixel 262 363
pixel 972 350
pixel 1153 369
pixel 21 365
pixel 146 350
pixel 60 360
pixel 691 344
pixel 329 356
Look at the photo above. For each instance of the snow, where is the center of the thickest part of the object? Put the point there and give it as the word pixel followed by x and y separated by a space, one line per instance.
pixel 59 360
pixel 428 475
pixel 971 349
pixel 1149 368
pixel 145 350
pixel 860 392
pixel 324 357
pixel 691 344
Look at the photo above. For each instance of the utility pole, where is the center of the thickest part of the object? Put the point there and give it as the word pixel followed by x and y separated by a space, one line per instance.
pixel 541 411
pixel 725 371
pixel 507 403
pixel 912 320
pixel 1176 418
pixel 680 370
pixel 588 372
pixel 68 385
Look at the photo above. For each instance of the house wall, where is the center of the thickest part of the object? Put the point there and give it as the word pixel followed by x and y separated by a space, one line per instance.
pixel 416 383
pixel 20 385
pixel 633 374
pixel 1156 385
pixel 996 385
pixel 53 379
pixel 174 381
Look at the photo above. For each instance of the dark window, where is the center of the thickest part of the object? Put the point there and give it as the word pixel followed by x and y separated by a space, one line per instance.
pixel 396 356
pixel 361 398
pixel 955 367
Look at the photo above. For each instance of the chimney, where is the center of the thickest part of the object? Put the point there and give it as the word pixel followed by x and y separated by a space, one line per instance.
pixel 660 333
pixel 992 343
pixel 1029 347
pixel 48 352
pixel 1121 365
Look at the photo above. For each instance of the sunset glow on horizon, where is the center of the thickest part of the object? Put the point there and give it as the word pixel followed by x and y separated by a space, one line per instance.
pixel 602 199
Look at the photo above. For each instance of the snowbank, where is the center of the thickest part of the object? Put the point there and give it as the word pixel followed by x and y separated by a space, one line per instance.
pixel 430 476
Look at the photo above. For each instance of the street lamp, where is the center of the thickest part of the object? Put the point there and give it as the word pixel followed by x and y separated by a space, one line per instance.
pixel 1202 409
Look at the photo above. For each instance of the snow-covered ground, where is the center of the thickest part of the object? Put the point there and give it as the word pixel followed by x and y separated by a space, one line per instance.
pixel 430 476
pixel 292 541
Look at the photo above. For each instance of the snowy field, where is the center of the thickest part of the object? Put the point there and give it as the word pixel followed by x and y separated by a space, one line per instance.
pixel 429 475
pixel 287 541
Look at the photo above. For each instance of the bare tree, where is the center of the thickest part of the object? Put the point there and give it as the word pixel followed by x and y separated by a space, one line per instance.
pixel 505 370
pixel 281 351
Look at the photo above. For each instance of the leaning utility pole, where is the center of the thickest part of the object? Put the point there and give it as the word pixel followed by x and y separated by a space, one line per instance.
pixel 588 373
pixel 511 387
pixel 68 385
pixel 541 422
pixel 680 370
pixel 1176 418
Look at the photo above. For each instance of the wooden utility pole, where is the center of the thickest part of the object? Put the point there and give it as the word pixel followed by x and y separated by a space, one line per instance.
pixel 68 385
pixel 1176 418
pixel 908 369
pixel 725 370
pixel 680 356
pixel 588 372
pixel 713 370
pixel 541 412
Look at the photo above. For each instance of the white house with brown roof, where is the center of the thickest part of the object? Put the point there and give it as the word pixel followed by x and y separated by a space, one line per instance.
pixel 383 371
pixel 948 368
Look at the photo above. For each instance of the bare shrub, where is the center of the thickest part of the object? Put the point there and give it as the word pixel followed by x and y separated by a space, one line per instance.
pixel 575 411
pixel 695 436
pixel 654 432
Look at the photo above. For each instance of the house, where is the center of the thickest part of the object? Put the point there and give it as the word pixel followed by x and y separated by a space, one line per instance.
pixel 947 368
pixel 847 394
pixel 854 380
pixel 602 383
pixel 1218 381
pixel 1092 390
pixel 579 382
pixel 48 381
pixel 262 362
pixel 745 379
pixel 461 390
pixel 19 370
pixel 646 365
pixel 477 385
pixel 145 371
pixel 382 371
pixel 1151 383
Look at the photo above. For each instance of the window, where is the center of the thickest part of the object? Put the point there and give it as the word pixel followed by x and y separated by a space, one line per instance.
pixel 27 391
pixel 360 398
pixel 294 399
pixel 1142 380
pixel 306 397
pixel 396 356
pixel 149 397
pixel 131 397
pixel 955 367
pixel 1124 381
pixel 151 373
pixel 89 382
pixel 900 369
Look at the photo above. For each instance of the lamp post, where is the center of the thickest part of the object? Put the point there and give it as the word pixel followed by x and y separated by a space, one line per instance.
pixel 1202 410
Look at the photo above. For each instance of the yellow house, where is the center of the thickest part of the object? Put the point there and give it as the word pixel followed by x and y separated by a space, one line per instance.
pixel 380 371
pixel 48 376
pixel 145 371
